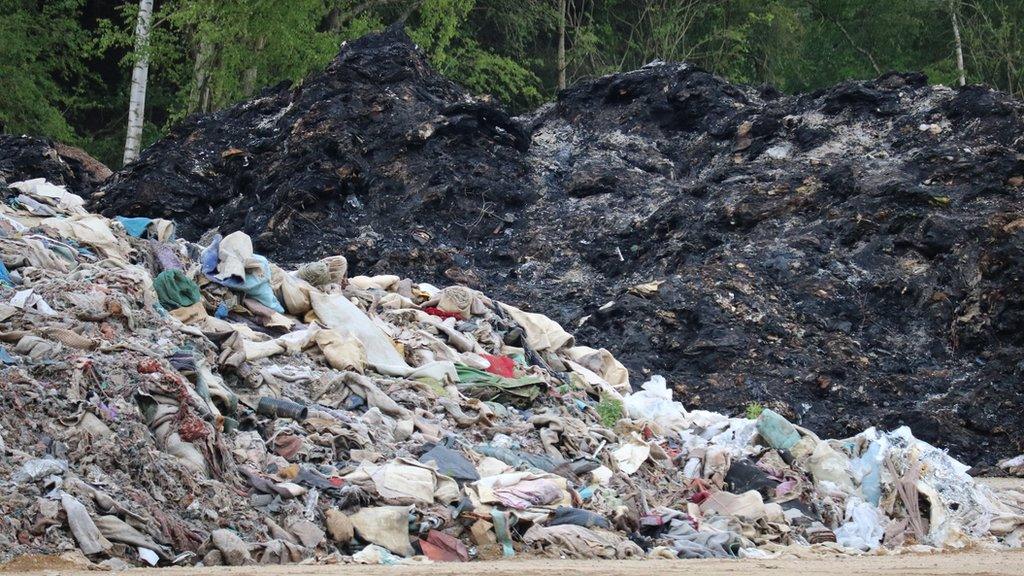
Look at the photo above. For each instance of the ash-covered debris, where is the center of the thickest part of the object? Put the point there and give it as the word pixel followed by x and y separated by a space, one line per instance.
pixel 25 157
pixel 369 148
pixel 847 257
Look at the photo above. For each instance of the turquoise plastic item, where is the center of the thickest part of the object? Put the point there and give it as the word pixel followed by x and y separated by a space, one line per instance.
pixel 871 483
pixel 779 433
pixel 500 520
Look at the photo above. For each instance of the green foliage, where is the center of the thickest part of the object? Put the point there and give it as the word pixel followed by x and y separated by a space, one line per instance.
pixel 65 65
pixel 993 32
pixel 754 410
pixel 610 411
pixel 438 26
pixel 439 30
pixel 42 72
pixel 211 53
pixel 486 73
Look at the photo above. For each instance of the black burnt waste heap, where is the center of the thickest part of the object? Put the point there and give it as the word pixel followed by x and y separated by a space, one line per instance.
pixel 25 158
pixel 849 257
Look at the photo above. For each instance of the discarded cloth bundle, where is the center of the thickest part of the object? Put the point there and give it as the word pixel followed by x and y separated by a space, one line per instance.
pixel 176 290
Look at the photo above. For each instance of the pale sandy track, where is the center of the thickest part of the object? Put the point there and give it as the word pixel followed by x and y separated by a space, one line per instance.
pixel 974 563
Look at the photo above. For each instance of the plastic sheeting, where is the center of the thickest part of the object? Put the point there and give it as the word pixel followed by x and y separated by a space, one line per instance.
pixel 338 313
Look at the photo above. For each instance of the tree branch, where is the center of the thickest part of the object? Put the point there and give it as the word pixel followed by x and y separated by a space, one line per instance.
pixel 835 22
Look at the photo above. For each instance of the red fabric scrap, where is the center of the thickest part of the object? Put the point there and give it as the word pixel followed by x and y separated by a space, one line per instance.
pixel 435 311
pixel 287 446
pixel 699 497
pixel 501 365
pixel 441 547
pixel 190 426
pixel 150 366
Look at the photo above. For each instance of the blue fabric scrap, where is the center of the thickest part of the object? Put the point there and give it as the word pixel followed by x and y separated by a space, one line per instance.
pixel 135 226
pixel 6 357
pixel 5 276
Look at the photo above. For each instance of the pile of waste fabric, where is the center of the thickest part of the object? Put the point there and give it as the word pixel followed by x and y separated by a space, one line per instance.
pixel 167 402
pixel 849 257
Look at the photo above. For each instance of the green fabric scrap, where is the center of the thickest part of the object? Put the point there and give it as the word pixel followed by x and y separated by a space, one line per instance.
pixel 175 289
pixel 519 392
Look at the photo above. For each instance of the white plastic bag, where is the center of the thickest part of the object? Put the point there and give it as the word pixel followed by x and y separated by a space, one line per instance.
pixel 864 526
pixel 654 402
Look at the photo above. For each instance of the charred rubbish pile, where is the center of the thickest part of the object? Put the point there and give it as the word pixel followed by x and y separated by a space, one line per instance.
pixel 24 158
pixel 848 257
pixel 164 402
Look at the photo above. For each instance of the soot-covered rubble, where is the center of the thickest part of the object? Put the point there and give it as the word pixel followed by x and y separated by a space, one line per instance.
pixel 848 257
pixel 25 158
pixel 164 402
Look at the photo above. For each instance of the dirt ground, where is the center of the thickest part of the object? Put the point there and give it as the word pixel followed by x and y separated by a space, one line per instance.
pixel 974 562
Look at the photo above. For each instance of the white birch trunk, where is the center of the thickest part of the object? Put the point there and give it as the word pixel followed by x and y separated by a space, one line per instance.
pixel 959 44
pixel 561 44
pixel 140 75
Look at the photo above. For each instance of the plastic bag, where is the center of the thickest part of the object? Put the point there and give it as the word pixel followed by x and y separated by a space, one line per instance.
pixel 864 526
pixel 654 402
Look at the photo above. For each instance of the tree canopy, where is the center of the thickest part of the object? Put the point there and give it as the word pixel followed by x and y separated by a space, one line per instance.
pixel 65 65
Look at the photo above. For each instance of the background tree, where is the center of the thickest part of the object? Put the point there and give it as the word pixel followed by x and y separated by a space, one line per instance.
pixel 140 75
pixel 43 75
pixel 65 65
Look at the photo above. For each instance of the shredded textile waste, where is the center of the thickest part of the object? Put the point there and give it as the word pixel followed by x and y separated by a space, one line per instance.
pixel 165 402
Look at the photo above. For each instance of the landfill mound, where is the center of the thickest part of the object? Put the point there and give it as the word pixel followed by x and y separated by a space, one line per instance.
pixel 848 257
pixel 172 403
pixel 365 150
pixel 25 158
